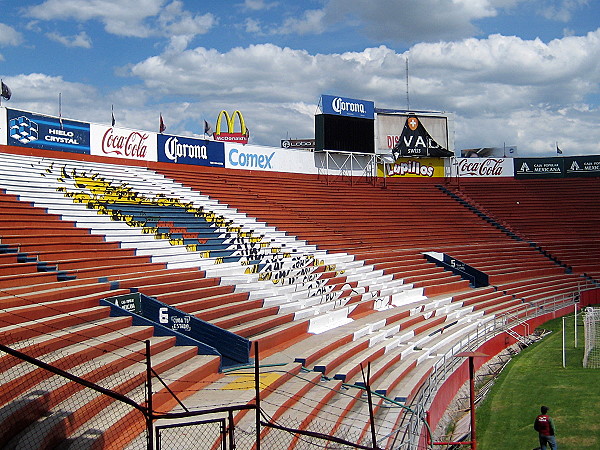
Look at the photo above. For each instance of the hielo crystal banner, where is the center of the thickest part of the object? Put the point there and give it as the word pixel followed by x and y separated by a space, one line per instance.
pixel 50 133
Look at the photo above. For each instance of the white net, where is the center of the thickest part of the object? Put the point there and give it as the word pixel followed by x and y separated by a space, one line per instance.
pixel 591 327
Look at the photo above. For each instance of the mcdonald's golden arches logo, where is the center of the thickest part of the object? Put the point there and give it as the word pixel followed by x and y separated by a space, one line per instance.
pixel 231 136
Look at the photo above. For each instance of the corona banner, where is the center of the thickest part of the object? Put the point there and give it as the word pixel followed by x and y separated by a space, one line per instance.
pixel 231 135
pixel 413 167
pixel 349 107
pixel 182 150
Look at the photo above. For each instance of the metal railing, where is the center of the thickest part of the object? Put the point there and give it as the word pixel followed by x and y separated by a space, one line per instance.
pixel 411 427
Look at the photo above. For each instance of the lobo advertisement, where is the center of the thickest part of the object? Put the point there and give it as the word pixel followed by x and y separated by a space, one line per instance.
pixel 482 167
pixel 48 133
pixel 198 152
pixel 271 159
pixel 412 167
pixel 123 143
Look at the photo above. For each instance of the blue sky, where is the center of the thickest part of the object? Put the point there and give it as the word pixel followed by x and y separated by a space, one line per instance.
pixel 520 72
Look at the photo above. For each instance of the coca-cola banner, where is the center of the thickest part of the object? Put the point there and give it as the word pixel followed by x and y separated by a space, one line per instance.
pixel 123 143
pixel 482 167
pixel 199 152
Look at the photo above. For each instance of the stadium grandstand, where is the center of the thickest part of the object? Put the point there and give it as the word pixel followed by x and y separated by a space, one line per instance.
pixel 169 292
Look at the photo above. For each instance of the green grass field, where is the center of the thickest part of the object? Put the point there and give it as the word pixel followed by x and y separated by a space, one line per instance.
pixel 536 377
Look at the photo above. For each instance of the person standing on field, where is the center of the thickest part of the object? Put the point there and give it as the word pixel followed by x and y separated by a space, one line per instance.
pixel 544 425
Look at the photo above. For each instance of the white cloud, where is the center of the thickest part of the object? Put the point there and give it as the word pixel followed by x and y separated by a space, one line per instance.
pixel 79 40
pixel 258 5
pixel 561 12
pixel 118 17
pixel 148 17
pixel 252 26
pixel 409 21
pixel 39 92
pixel 310 22
pixel 502 89
pixel 174 20
pixel 500 80
pixel 9 36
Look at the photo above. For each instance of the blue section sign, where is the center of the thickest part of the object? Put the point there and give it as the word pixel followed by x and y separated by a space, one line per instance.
pixel 49 133
pixel 349 107
pixel 198 152
pixel 168 320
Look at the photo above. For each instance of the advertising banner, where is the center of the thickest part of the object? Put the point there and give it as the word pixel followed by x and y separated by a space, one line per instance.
pixel 349 107
pixel 123 143
pixel 390 127
pixel 230 135
pixel 254 157
pixel 539 168
pixel 3 126
pixel 416 141
pixel 413 168
pixel 307 144
pixel 482 167
pixel 50 133
pixel 198 152
pixel 582 166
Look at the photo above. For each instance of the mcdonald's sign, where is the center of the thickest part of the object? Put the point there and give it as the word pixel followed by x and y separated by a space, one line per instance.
pixel 240 137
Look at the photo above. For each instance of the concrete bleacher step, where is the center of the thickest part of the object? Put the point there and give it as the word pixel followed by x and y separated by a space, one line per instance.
pixel 123 427
pixel 55 428
pixel 44 396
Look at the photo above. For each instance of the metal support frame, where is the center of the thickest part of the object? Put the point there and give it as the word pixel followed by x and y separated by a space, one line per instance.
pixel 332 168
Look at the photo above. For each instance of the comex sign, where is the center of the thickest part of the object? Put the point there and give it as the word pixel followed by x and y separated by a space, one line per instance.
pixel 249 158
pixel 230 135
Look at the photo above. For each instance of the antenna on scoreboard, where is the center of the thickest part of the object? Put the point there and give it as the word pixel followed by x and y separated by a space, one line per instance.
pixel 407 99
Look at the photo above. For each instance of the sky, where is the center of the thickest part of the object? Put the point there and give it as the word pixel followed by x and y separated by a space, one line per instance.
pixel 523 73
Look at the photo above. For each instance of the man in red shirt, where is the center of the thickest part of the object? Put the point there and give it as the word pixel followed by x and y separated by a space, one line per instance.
pixel 545 427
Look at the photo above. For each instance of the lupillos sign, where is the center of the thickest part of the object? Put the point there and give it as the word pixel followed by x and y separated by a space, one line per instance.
pixel 241 137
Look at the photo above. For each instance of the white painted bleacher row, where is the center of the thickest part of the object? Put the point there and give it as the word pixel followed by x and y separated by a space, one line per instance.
pixel 22 176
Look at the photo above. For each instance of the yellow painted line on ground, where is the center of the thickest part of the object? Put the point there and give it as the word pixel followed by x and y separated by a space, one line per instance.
pixel 246 381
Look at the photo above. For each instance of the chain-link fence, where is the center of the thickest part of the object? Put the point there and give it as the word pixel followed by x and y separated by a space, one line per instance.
pixel 44 406
pixel 199 434
pixel 72 400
